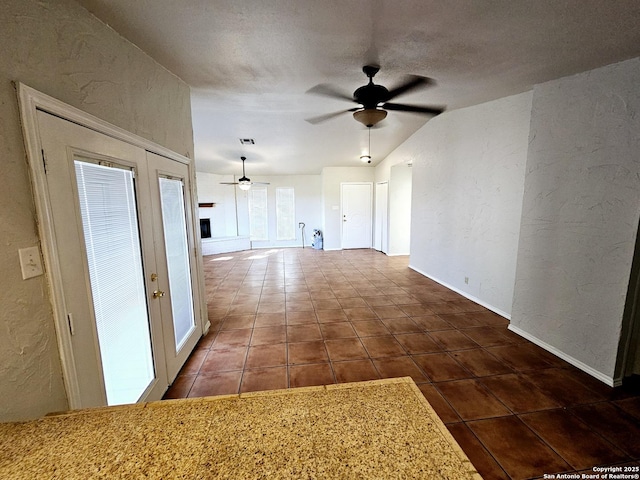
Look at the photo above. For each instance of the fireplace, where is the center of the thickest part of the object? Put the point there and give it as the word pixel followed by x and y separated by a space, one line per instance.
pixel 205 228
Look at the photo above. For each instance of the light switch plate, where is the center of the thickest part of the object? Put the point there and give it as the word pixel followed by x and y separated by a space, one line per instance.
pixel 30 262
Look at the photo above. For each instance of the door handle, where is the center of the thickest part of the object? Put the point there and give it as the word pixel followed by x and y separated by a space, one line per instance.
pixel 158 293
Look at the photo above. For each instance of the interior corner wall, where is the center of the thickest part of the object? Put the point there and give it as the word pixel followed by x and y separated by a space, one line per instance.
pixel 580 215
pixel 332 177
pixel 468 179
pixel 60 49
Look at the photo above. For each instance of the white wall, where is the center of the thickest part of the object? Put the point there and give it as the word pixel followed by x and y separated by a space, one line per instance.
pixel 400 209
pixel 468 179
pixel 580 214
pixel 308 204
pixel 332 177
pixel 232 206
pixel 223 215
pixel 60 49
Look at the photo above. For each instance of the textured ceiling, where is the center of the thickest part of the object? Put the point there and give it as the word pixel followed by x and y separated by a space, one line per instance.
pixel 250 62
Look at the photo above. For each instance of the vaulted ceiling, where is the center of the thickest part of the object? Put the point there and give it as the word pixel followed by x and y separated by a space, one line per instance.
pixel 250 62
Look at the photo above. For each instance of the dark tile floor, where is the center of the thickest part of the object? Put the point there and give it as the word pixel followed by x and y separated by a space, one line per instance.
pixel 298 317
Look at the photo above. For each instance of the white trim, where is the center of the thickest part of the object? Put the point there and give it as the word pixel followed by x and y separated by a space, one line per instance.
pixel 28 107
pixel 464 294
pixel 610 381
pixel 30 101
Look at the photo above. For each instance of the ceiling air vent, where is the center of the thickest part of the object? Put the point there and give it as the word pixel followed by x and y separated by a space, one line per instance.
pixel 247 141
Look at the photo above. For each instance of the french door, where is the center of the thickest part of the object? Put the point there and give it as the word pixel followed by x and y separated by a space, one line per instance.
pixel 121 222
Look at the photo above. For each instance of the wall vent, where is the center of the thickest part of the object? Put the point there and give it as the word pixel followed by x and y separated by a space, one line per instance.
pixel 247 141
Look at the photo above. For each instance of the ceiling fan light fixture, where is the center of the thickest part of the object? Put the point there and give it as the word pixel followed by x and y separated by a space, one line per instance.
pixel 370 116
pixel 365 158
pixel 244 183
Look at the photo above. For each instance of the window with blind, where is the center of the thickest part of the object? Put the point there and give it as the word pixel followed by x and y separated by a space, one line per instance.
pixel 109 219
pixel 285 214
pixel 258 213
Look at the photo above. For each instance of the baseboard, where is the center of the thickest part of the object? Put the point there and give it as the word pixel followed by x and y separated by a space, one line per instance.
pixel 464 294
pixel 267 247
pixel 610 381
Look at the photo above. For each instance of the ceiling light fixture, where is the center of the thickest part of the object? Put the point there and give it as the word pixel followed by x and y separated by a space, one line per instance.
pixel 370 116
pixel 367 158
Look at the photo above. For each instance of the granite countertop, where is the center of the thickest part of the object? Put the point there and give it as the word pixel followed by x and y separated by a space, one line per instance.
pixel 380 429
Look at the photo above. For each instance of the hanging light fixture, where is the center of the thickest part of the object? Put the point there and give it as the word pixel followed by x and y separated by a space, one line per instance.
pixel 367 158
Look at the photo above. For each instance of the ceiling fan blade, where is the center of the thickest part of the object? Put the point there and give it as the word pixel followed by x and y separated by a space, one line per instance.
pixel 328 116
pixel 260 183
pixel 327 90
pixel 413 108
pixel 228 183
pixel 412 82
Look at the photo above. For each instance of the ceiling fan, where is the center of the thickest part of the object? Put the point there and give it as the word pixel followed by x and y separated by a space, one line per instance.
pixel 243 182
pixel 374 99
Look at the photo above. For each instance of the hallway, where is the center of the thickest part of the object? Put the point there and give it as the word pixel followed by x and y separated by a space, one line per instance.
pixel 298 317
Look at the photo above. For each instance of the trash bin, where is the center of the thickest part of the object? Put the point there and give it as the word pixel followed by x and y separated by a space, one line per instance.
pixel 317 240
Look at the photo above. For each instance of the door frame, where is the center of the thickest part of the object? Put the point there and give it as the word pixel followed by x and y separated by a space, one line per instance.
pixel 381 232
pixel 30 101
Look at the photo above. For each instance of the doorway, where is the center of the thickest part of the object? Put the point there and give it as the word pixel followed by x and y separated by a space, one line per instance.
pixel 356 201
pixel 121 254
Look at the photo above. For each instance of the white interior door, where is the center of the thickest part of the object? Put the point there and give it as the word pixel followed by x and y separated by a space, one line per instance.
pixel 176 277
pixel 381 241
pixel 356 199
pixel 124 249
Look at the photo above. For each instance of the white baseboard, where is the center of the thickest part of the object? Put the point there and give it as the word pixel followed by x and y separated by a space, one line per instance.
pixel 464 294
pixel 610 381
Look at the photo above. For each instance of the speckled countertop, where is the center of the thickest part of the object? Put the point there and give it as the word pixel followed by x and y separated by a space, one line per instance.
pixel 381 429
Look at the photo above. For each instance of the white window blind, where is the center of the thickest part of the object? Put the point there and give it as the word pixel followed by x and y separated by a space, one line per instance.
pixel 258 213
pixel 285 214
pixel 175 237
pixel 110 224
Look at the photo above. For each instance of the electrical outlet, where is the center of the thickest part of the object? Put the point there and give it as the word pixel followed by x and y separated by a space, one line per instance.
pixel 466 280
pixel 30 262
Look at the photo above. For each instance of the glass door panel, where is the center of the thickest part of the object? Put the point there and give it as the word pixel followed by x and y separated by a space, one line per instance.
pixel 108 209
pixel 177 252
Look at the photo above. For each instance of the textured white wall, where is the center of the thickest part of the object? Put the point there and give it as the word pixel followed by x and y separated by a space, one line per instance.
pixel 331 179
pixel 580 213
pixel 400 209
pixel 468 179
pixel 60 49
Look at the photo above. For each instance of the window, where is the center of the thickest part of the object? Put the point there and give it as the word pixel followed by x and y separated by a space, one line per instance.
pixel 258 213
pixel 285 214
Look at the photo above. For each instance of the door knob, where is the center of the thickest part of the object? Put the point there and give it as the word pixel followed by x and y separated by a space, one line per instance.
pixel 158 293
